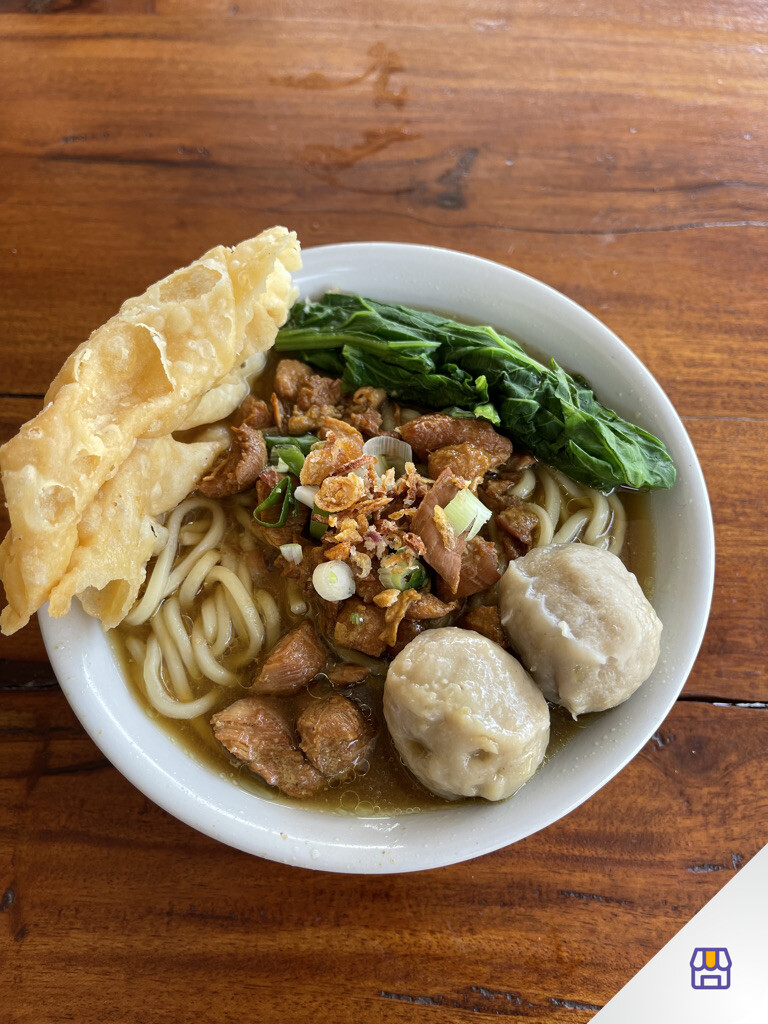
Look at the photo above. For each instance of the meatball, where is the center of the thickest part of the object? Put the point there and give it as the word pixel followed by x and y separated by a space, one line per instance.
pixel 464 715
pixel 580 624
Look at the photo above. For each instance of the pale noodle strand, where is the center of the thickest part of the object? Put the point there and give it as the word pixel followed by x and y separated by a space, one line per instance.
pixel 247 609
pixel 246 520
pixel 191 533
pixel 206 661
pixel 136 648
pixel 233 614
pixel 526 485
pixel 164 579
pixel 270 613
pixel 212 537
pixel 171 660
pixel 171 613
pixel 224 628
pixel 207 619
pixel 571 528
pixel 160 699
pixel 552 497
pixel 546 529
pixel 244 576
pixel 618 526
pixel 570 486
pixel 191 585
pixel 153 593
pixel 601 515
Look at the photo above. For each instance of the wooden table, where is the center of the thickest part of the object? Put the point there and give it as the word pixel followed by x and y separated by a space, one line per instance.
pixel 616 151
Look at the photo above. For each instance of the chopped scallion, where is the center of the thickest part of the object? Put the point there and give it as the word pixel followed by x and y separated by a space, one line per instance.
pixel 467 512
pixel 333 581
pixel 303 442
pixel 318 522
pixel 292 552
pixel 407 574
pixel 289 458
pixel 283 489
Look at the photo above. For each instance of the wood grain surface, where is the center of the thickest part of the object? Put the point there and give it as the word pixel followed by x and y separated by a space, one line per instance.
pixel 617 152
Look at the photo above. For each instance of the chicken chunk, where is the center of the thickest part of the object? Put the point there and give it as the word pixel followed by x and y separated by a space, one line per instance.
pixel 345 675
pixel 478 571
pixel 290 378
pixel 239 467
pixel 335 735
pixel 444 553
pixel 437 430
pixel 485 620
pixel 292 663
pixel 257 732
pixel 466 460
pixel 318 391
pixel 519 525
pixel 363 411
pixel 429 606
pixel 479 568
pixel 255 413
pixel 360 626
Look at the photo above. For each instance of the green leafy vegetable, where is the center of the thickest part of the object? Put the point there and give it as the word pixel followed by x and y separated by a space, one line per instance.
pixel 282 489
pixel 439 363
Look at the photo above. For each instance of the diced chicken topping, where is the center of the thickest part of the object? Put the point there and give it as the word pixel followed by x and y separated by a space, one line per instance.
pixel 479 568
pixel 345 675
pixel 290 378
pixel 485 620
pixel 466 460
pixel 363 410
pixel 292 663
pixel 258 732
pixel 519 525
pixel 255 413
pixel 437 430
pixel 360 626
pixel 429 606
pixel 444 559
pixel 239 467
pixel 335 735
pixel 318 390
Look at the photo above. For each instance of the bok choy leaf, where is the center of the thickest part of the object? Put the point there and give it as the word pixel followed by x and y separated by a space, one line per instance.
pixel 439 363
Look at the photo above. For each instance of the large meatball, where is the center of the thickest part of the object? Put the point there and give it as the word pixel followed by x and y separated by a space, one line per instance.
pixel 581 625
pixel 464 715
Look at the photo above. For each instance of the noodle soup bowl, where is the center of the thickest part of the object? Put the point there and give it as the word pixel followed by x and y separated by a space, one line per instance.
pixel 547 324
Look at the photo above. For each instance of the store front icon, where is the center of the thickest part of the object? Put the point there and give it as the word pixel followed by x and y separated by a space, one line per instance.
pixel 710 967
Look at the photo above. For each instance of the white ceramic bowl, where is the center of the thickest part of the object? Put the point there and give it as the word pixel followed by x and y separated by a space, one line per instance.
pixel 545 320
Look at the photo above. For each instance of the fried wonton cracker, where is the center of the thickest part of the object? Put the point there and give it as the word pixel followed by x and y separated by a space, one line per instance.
pixel 171 359
pixel 118 532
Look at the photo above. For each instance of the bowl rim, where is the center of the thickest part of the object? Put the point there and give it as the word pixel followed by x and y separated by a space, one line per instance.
pixel 173 779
